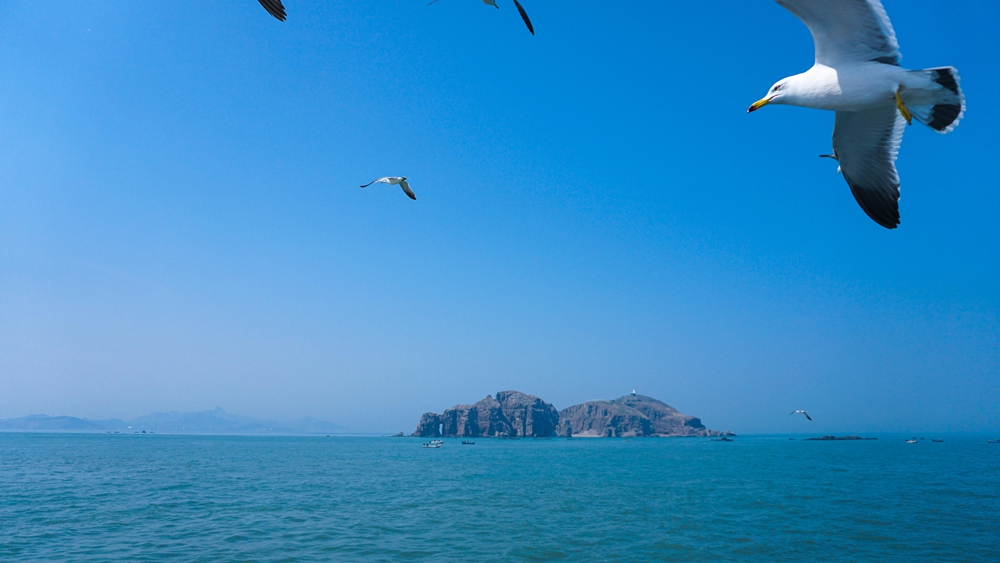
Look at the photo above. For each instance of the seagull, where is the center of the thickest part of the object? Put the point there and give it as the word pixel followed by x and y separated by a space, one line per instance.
pixel 274 7
pixel 392 181
pixel 520 10
pixel 857 75
pixel 802 412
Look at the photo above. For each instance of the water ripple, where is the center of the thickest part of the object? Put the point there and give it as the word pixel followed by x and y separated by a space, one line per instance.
pixel 154 498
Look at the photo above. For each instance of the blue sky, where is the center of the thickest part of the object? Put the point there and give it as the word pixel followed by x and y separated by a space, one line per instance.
pixel 181 227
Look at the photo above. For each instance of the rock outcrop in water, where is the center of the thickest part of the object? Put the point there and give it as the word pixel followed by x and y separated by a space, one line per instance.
pixel 514 414
pixel 511 414
pixel 631 415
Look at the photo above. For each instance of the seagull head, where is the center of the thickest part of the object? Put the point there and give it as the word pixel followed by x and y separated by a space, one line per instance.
pixel 780 93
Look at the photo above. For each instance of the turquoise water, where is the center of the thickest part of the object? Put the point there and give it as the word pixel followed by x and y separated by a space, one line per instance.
pixel 187 498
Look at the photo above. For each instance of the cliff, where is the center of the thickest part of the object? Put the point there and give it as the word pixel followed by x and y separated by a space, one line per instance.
pixel 631 415
pixel 510 414
pixel 515 414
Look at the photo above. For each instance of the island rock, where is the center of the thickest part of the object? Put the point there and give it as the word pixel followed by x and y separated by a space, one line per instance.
pixel 511 414
pixel 631 415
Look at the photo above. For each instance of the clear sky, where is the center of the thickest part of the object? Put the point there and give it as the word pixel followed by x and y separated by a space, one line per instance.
pixel 181 225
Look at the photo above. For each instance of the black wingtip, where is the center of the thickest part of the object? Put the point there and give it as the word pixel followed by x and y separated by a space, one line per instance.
pixel 275 8
pixel 880 207
pixel 524 16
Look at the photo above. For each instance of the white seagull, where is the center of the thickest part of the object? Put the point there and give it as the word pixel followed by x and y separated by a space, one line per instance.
pixel 802 412
pixel 392 181
pixel 857 75
pixel 520 10
pixel 274 7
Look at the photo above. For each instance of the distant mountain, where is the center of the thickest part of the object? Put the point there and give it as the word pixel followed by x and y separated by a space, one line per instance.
pixel 215 421
pixel 43 422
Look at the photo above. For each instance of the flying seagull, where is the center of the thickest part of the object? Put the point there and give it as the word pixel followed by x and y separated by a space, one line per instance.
pixel 520 10
pixel 274 8
pixel 392 181
pixel 802 412
pixel 857 75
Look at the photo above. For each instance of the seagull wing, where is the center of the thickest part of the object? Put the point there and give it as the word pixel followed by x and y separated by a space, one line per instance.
pixel 406 188
pixel 274 8
pixel 524 16
pixel 848 30
pixel 807 415
pixel 866 144
pixel 374 182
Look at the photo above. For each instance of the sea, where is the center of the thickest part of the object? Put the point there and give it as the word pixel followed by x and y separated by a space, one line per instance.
pixel 153 497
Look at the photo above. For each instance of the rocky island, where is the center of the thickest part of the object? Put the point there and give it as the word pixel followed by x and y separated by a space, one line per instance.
pixel 512 414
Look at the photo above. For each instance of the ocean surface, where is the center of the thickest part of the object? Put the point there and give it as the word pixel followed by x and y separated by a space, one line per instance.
pixel 124 497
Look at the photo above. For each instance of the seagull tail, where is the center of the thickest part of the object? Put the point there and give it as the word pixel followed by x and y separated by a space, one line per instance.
pixel 939 103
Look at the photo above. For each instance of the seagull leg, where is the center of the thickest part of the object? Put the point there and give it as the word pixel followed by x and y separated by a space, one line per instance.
pixel 902 107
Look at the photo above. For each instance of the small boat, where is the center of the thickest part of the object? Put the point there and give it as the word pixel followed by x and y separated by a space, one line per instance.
pixel 722 439
pixel 911 441
pixel 468 443
pixel 993 441
pixel 432 445
pixel 936 440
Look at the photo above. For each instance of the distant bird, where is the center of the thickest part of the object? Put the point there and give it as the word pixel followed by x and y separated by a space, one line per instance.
pixel 392 181
pixel 274 8
pixel 802 412
pixel 857 75
pixel 520 10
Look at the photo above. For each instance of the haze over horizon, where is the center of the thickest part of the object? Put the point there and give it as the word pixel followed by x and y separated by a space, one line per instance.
pixel 181 225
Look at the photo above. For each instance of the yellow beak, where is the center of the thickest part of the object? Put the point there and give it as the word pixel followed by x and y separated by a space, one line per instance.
pixel 759 104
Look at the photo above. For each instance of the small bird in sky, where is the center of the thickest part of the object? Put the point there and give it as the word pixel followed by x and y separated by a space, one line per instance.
pixel 275 8
pixel 520 10
pixel 392 181
pixel 802 412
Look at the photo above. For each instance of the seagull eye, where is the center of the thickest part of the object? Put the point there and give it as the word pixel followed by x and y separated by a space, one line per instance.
pixel 777 87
